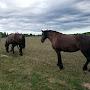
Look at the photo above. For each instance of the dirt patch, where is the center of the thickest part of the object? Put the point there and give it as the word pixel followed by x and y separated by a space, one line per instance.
pixel 87 85
pixel 61 82
pixel 2 55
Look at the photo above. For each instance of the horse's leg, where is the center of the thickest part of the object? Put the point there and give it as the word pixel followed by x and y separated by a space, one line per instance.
pixel 60 64
pixel 20 50
pixel 12 48
pixel 85 65
pixel 7 48
pixel 87 55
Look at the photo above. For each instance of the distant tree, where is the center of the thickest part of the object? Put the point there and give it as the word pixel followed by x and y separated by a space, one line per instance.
pixel 87 33
pixel 31 34
pixel 0 34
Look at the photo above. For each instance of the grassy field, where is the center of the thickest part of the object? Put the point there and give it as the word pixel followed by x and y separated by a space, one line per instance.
pixel 37 69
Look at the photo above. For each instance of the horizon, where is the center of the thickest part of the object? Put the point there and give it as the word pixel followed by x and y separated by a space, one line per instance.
pixel 40 33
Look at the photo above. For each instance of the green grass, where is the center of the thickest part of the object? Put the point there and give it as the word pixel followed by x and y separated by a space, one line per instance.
pixel 37 69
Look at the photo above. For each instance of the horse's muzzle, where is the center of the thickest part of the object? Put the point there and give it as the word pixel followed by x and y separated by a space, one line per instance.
pixel 42 40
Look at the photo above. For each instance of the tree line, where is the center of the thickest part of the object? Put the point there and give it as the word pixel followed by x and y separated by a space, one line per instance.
pixel 87 33
pixel 4 34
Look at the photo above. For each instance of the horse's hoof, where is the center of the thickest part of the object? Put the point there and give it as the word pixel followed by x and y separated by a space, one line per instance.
pixel 61 67
pixel 21 54
pixel 85 72
pixel 89 70
pixel 7 51
pixel 58 64
pixel 84 68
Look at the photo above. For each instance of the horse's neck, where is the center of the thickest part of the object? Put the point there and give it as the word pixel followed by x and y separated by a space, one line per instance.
pixel 51 36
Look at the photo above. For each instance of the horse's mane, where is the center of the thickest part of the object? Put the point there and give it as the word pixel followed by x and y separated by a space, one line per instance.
pixel 53 31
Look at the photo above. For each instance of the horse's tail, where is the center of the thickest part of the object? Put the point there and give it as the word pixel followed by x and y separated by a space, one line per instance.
pixel 23 41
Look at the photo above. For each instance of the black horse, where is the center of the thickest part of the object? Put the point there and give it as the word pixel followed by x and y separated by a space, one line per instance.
pixel 15 39
pixel 68 43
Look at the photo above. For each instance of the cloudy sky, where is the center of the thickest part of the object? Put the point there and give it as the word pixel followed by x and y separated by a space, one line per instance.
pixel 30 16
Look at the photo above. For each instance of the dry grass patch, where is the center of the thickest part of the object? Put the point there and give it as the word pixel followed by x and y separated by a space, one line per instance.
pixel 86 85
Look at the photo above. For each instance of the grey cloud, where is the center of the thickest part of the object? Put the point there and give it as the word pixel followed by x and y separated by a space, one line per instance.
pixel 50 17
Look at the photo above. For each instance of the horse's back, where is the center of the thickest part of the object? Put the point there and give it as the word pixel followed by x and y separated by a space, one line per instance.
pixel 10 38
pixel 66 39
pixel 82 37
pixel 83 40
pixel 66 43
pixel 15 38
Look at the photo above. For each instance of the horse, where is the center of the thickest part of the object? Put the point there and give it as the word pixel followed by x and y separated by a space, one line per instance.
pixel 68 43
pixel 15 39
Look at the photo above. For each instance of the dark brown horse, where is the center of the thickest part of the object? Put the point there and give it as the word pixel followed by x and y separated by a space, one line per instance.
pixel 68 43
pixel 15 39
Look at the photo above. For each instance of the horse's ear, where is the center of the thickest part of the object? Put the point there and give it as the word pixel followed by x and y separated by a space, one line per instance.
pixel 42 30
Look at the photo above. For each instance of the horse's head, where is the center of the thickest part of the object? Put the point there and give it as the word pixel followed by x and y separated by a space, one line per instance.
pixel 44 36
